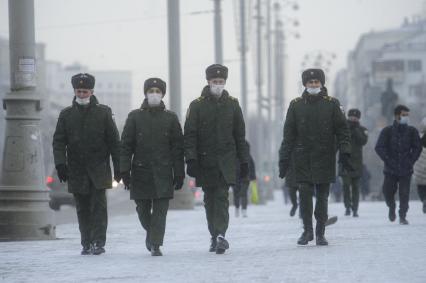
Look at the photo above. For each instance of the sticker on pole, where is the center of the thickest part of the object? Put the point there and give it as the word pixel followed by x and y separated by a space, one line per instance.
pixel 25 72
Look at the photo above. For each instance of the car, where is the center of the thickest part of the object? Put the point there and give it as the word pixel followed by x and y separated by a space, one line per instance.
pixel 58 192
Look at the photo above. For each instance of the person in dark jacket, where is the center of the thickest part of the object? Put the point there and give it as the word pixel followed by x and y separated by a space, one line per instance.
pixel 399 148
pixel 351 179
pixel 214 139
pixel 241 187
pixel 315 127
pixel 151 161
pixel 84 140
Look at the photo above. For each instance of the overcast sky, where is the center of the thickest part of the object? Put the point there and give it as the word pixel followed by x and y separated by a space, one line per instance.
pixel 132 35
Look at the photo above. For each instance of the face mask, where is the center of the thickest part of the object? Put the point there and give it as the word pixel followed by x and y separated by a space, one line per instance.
pixel 216 89
pixel 404 120
pixel 312 90
pixel 82 101
pixel 154 99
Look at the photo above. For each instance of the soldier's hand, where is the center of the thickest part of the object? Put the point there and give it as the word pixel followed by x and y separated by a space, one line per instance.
pixel 126 179
pixel 62 171
pixel 283 169
pixel 344 159
pixel 178 182
pixel 192 168
pixel 244 170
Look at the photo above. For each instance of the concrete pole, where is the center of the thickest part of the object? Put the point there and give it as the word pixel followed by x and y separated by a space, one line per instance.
pixel 218 32
pixel 174 88
pixel 24 210
pixel 261 149
pixel 243 51
pixel 269 88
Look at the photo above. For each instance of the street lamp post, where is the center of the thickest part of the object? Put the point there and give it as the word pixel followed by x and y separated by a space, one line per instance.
pixel 24 210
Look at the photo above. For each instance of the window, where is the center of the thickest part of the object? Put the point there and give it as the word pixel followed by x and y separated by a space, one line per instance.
pixel 414 66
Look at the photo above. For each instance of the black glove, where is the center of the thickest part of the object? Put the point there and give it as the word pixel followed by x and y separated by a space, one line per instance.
pixel 244 170
pixel 178 182
pixel 344 160
pixel 283 169
pixel 117 176
pixel 62 171
pixel 126 179
pixel 192 168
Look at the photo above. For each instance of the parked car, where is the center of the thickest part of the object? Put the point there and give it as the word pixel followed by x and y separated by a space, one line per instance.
pixel 58 192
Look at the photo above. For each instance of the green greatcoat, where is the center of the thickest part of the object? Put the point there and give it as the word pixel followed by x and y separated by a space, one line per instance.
pixel 315 127
pixel 152 149
pixel 85 138
pixel 215 137
pixel 359 138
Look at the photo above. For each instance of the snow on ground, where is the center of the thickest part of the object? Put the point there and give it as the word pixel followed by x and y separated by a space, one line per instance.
pixel 263 249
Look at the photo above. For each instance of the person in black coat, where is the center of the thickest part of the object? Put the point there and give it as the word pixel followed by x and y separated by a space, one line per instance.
pixel 399 147
pixel 241 187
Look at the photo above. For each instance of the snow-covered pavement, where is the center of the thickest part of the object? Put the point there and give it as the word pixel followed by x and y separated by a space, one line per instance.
pixel 263 249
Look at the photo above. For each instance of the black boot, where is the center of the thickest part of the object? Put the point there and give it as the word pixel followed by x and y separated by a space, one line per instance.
pixel 319 233
pixel 147 242
pixel 355 214
pixel 293 210
pixel 403 220
pixel 348 212
pixel 222 244
pixel 155 250
pixel 213 244
pixel 97 249
pixel 307 235
pixel 87 250
pixel 392 215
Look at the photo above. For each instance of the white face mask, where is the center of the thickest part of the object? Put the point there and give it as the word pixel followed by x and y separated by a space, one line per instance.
pixel 154 99
pixel 313 90
pixel 404 120
pixel 82 101
pixel 217 89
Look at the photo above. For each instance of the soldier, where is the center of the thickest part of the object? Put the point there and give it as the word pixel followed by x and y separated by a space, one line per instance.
pixel 351 179
pixel 85 138
pixel 151 161
pixel 399 148
pixel 315 125
pixel 214 139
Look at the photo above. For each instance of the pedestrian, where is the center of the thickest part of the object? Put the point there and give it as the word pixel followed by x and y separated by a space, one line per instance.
pixel 351 179
pixel 291 185
pixel 399 147
pixel 365 182
pixel 314 129
pixel 84 140
pixel 420 167
pixel 241 187
pixel 152 162
pixel 214 138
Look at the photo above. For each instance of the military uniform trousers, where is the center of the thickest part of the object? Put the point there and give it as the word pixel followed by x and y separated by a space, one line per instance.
pixel 306 193
pixel 92 216
pixel 152 214
pixel 240 194
pixel 351 192
pixel 216 204
pixel 392 184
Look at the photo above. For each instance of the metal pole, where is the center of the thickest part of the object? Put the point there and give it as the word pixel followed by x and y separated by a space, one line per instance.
pixel 269 88
pixel 174 56
pixel 243 50
pixel 24 210
pixel 218 32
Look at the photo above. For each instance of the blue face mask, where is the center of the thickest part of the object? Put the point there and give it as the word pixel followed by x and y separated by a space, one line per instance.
pixel 404 120
pixel 313 90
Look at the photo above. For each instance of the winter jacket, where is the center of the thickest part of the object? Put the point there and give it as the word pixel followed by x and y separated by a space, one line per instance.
pixel 399 148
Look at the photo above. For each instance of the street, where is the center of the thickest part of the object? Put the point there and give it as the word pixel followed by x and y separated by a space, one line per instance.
pixel 262 249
